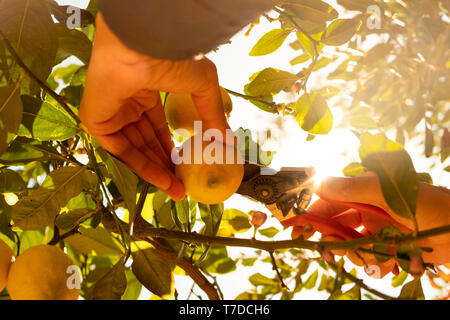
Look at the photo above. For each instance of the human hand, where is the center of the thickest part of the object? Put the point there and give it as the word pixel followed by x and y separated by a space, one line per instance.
pixel 122 109
pixel 352 208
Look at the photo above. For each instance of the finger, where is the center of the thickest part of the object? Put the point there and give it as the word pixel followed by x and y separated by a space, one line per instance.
pixel 327 209
pixel 374 218
pixel 326 226
pixel 362 193
pixel 208 100
pixel 148 100
pixel 350 218
pixel 134 135
pixel 362 189
pixel 151 140
pixel 158 121
pixel 145 167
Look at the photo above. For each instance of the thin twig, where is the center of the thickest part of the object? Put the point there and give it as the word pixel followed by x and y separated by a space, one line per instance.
pixel 287 244
pixel 275 267
pixel 93 160
pixel 59 237
pixel 274 106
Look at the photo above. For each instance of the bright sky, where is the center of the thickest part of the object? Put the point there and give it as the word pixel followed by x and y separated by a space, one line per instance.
pixel 328 154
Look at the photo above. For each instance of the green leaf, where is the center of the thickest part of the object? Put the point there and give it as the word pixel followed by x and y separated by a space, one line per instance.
pixel 356 5
pixel 30 239
pixel 290 20
pixel 164 216
pixel 399 279
pixel 311 281
pixel 322 63
pixel 310 46
pixel 61 14
pixel 112 285
pixel 353 169
pixel 153 271
pixel 313 115
pixel 352 294
pixel 363 118
pixel 4 141
pixel 258 279
pixel 248 262
pixel 73 94
pixel 28 25
pixel 311 10
pixel 296 45
pixel 211 215
pixel 46 121
pixel 257 102
pixel 412 291
pixel 64 74
pixel 182 208
pixel 372 143
pixel 124 179
pixel 71 219
pixel 10 112
pixel 326 283
pixel 222 266
pixel 270 42
pixel 271 81
pixel 73 43
pixel 23 151
pixel 251 150
pixel 134 287
pixel 83 200
pixel 340 31
pixel 445 145
pixel 424 177
pixel 234 221
pixel 100 266
pixel 381 249
pixel 5 219
pixel 397 176
pixel 249 296
pixel 376 54
pixel 269 232
pixel 39 209
pixel 10 181
pixel 303 267
pixel 300 59
pixel 429 142
pixel 97 240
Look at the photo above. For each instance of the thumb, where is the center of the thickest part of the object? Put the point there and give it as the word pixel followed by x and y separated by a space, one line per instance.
pixel 364 188
pixel 208 101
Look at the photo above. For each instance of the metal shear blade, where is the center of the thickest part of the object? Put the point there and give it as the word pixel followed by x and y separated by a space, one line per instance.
pixel 285 193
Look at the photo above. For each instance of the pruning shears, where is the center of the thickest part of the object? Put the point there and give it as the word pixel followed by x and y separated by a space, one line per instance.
pixel 285 193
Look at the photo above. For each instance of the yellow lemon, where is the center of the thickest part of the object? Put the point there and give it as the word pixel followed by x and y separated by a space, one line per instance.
pixel 6 256
pixel 215 176
pixel 42 273
pixel 181 112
